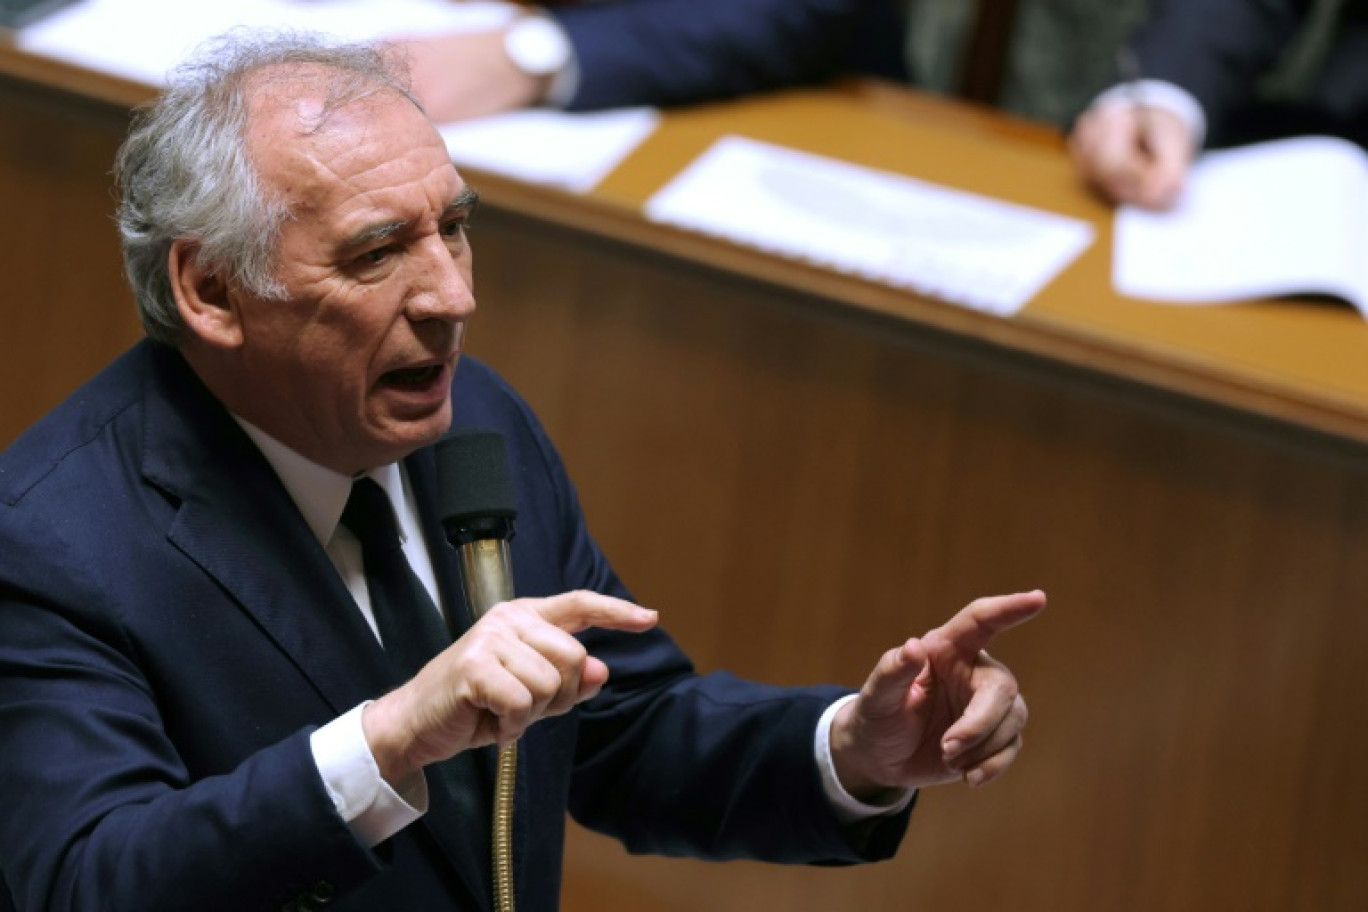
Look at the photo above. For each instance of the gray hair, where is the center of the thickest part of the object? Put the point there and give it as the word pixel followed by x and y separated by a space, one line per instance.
pixel 184 171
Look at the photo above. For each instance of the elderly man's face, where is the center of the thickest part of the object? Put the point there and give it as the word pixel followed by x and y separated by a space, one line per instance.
pixel 354 368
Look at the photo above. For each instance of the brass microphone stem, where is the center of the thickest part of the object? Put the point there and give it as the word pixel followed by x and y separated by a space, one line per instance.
pixel 503 828
pixel 487 571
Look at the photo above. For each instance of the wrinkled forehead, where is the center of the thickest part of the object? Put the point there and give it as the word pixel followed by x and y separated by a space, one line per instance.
pixel 304 124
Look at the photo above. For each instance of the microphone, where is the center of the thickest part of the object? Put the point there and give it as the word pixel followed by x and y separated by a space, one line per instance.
pixel 477 505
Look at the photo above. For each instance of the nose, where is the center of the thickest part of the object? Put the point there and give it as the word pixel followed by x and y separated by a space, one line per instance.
pixel 443 288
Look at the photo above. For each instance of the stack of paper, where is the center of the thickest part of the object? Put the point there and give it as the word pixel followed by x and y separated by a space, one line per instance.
pixel 967 249
pixel 1276 218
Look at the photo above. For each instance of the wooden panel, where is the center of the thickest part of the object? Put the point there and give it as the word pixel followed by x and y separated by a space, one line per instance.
pixel 65 311
pixel 797 490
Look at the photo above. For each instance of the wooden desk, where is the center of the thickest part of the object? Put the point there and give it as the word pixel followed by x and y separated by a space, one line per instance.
pixel 800 469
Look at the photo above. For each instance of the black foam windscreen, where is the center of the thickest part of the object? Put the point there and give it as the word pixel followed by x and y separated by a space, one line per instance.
pixel 473 481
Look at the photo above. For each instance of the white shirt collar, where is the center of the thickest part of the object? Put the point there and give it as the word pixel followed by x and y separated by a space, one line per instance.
pixel 319 492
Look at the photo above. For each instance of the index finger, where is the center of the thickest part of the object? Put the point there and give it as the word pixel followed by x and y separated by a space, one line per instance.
pixel 582 609
pixel 982 619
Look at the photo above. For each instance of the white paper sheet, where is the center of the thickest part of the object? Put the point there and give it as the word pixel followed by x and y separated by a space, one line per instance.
pixel 967 249
pixel 1274 218
pixel 571 151
pixel 143 39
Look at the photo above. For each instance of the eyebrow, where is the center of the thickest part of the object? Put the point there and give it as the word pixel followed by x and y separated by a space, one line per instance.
pixel 464 203
pixel 468 199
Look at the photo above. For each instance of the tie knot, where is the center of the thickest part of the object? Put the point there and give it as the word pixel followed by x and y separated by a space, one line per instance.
pixel 370 516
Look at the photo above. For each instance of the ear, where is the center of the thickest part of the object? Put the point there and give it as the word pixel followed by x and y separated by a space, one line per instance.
pixel 202 297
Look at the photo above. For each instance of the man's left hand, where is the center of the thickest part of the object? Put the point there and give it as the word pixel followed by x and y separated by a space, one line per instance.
pixel 937 708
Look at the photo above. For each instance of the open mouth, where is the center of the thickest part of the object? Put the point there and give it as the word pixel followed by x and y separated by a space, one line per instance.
pixel 413 377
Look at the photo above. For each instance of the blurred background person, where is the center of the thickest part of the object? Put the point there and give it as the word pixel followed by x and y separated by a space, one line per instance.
pixel 1045 59
pixel 1222 73
pixel 620 53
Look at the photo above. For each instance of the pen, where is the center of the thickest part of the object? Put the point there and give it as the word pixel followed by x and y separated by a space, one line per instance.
pixel 1129 66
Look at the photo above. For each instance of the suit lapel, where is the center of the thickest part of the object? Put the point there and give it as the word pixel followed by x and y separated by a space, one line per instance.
pixel 238 524
pixel 332 645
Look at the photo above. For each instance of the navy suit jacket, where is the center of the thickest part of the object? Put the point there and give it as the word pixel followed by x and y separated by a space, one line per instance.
pixel 1218 50
pixel 171 633
pixel 666 52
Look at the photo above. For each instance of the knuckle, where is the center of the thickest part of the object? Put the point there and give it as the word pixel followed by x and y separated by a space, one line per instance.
pixel 519 708
pixel 1007 686
pixel 577 598
pixel 541 684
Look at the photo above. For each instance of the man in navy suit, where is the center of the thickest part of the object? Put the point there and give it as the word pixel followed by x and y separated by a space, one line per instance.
pixel 596 54
pixel 196 709
pixel 1197 66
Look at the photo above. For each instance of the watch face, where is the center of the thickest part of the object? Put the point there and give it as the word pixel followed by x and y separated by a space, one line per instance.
pixel 537 46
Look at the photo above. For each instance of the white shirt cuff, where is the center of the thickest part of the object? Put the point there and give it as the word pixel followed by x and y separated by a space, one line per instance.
pixel 848 809
pixel 1156 93
pixel 565 83
pixel 372 809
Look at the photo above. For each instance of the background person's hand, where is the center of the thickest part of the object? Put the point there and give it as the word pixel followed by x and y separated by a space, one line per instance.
pixel 1133 154
pixel 464 75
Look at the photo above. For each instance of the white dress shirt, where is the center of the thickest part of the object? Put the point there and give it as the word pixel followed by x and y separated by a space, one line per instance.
pixel 368 804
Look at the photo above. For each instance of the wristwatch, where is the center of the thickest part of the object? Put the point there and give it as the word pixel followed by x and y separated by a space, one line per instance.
pixel 537 46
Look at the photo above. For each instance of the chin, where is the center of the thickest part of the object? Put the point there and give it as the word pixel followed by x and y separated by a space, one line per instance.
pixel 392 437
pixel 417 435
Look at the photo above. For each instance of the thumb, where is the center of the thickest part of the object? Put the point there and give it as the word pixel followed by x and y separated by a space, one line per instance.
pixel 900 681
pixel 593 676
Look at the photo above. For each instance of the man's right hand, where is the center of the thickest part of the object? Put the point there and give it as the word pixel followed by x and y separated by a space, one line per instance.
pixel 1133 154
pixel 518 664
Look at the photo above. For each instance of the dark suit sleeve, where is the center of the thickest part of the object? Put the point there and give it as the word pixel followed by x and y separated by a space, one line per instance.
pixel 100 811
pixel 665 52
pixel 675 763
pixel 715 767
pixel 1216 49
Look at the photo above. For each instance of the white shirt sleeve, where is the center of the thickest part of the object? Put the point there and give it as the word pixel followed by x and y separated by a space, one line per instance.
pixel 848 809
pixel 372 809
pixel 1156 93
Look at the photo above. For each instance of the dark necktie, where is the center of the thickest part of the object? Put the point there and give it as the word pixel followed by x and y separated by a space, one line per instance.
pixel 412 632
pixel 411 629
